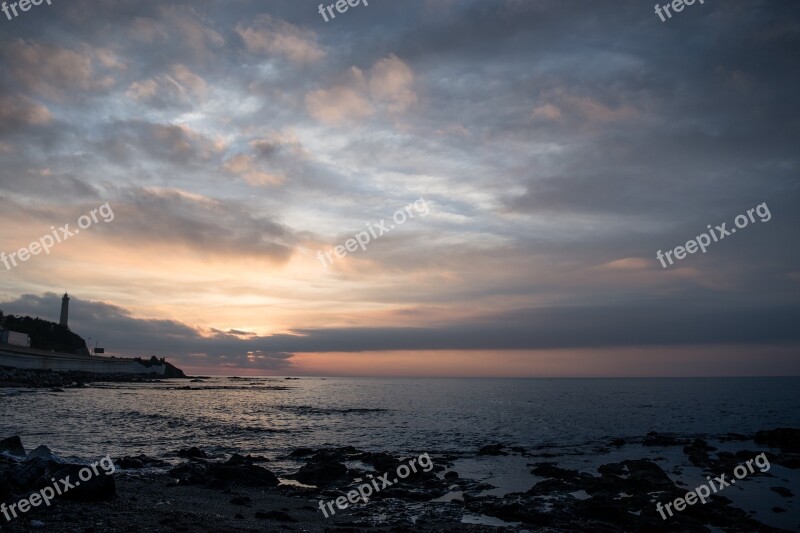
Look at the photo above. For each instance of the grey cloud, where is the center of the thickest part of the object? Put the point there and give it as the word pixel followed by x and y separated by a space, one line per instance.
pixel 524 329
pixel 170 143
pixel 210 226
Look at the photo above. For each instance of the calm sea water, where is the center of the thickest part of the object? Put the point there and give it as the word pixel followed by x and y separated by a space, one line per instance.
pixel 272 416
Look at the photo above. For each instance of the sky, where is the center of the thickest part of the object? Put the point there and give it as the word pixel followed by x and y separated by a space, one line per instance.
pixel 540 154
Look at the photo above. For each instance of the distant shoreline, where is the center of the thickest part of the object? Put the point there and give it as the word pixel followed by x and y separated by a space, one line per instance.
pixel 43 379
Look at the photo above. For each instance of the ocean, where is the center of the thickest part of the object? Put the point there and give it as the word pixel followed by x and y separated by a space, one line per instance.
pixel 276 415
pixel 568 421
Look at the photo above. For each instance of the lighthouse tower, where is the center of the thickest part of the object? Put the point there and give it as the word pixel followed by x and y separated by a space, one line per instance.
pixel 64 311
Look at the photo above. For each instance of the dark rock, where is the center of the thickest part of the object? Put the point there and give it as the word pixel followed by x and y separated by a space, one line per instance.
pixel 221 476
pixel 553 486
pixel 656 439
pixel 12 446
pixel 778 510
pixel 240 500
pixel 44 453
pixel 552 471
pixel 247 475
pixel 733 437
pixel 137 462
pixel 512 509
pixel 219 484
pixel 321 473
pixel 645 476
pixel 279 516
pixel 697 452
pixel 492 449
pixel 603 508
pixel 99 487
pixel 414 494
pixel 302 452
pixel 335 454
pixel 551 506
pixel 237 460
pixel 192 453
pixel 729 461
pixel 49 379
pixel 38 473
pixel 382 462
pixel 191 473
pixel 242 460
pixel 783 491
pixel 451 476
pixel 789 460
pixel 6 490
pixel 787 439
pixel 30 475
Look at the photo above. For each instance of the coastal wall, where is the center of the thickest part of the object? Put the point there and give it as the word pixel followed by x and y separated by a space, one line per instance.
pixel 40 360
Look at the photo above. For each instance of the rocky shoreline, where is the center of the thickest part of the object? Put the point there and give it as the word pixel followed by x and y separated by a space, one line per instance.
pixel 194 490
pixel 50 379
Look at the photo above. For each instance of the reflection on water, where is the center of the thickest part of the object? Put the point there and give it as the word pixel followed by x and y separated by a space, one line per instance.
pixel 273 416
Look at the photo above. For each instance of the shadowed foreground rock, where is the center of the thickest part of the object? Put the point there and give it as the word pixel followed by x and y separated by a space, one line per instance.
pixel 21 475
pixel 207 492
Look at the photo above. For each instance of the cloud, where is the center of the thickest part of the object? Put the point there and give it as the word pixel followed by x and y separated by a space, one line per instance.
pixel 389 84
pixel 148 30
pixel 338 105
pixel 559 145
pixel 269 35
pixel 391 81
pixel 561 102
pixel 181 29
pixel 178 219
pixel 179 87
pixel 564 327
pixel 525 329
pixel 246 167
pixel 547 112
pixel 17 111
pixel 59 73
pixel 174 143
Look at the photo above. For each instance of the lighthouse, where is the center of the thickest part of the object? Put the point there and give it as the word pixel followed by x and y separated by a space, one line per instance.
pixel 65 311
